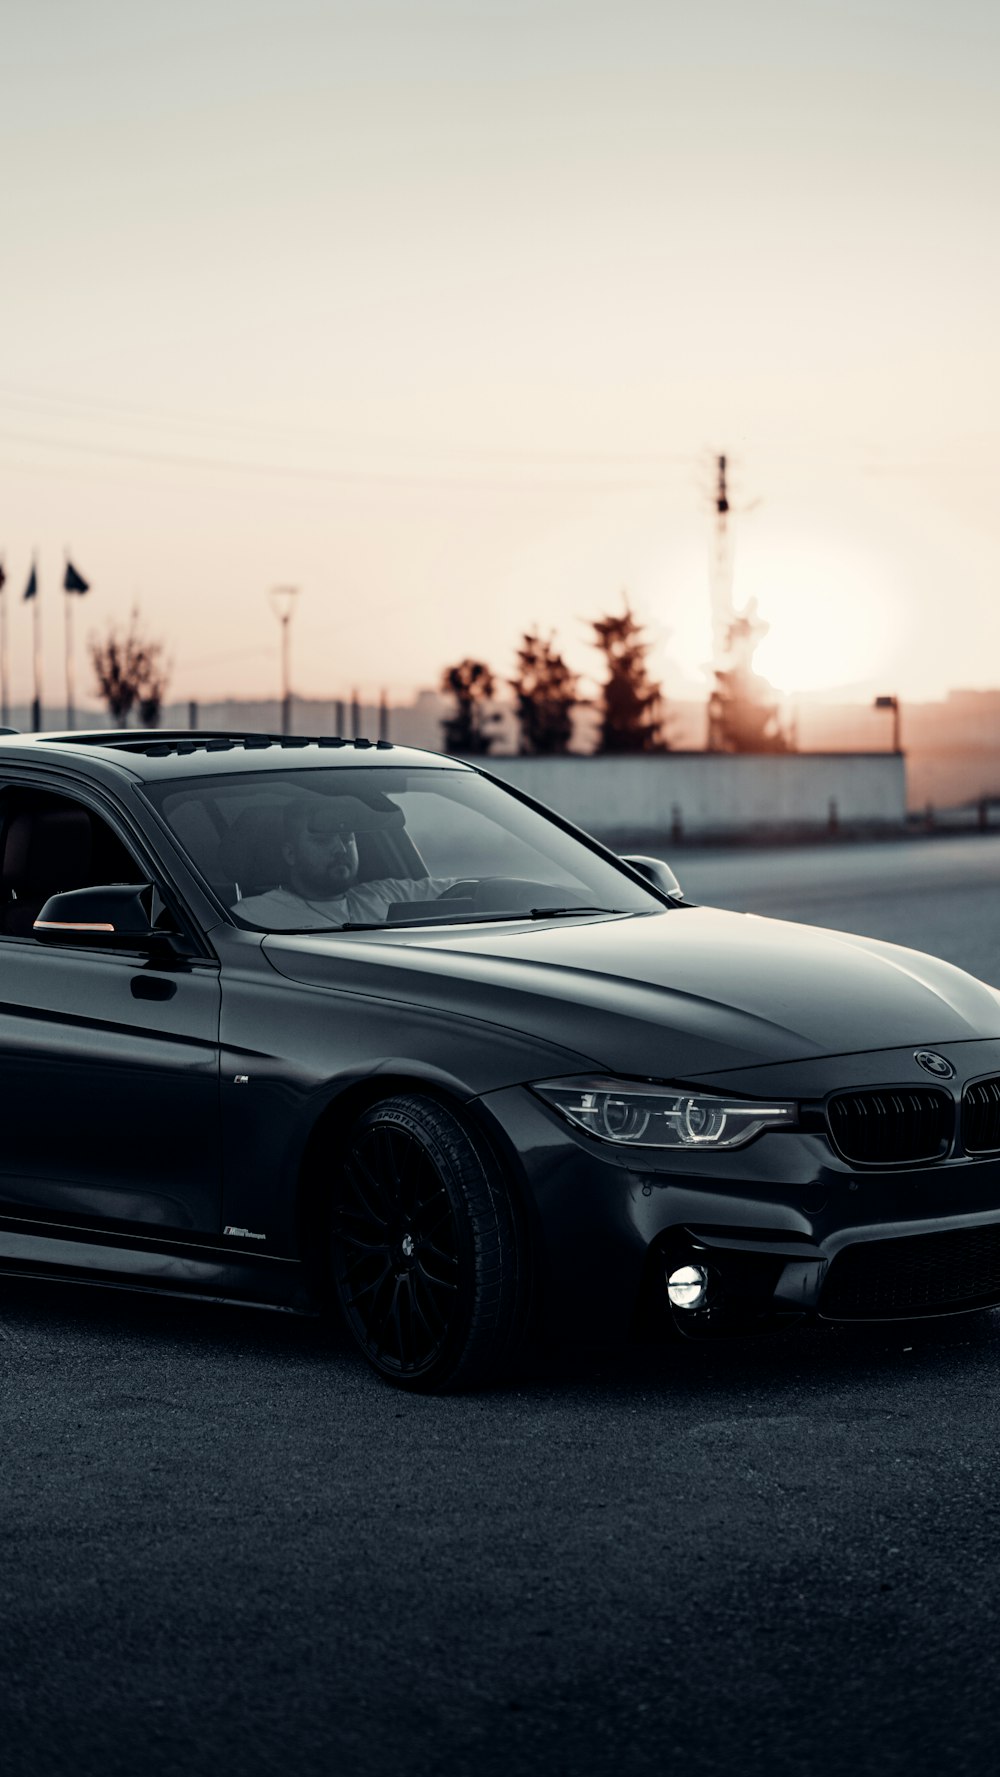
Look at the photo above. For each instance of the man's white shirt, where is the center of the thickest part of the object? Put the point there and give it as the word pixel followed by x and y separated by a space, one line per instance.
pixel 279 910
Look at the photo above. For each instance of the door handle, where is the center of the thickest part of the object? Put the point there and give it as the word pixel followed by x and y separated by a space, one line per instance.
pixel 153 987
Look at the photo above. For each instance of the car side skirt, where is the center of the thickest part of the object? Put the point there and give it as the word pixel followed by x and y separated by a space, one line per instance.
pixel 77 1255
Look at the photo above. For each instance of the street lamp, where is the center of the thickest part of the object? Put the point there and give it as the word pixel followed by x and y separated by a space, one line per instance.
pixel 283 605
pixel 890 703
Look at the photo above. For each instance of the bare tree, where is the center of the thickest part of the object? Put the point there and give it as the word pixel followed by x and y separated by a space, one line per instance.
pixel 472 685
pixel 547 694
pixel 130 671
pixel 630 702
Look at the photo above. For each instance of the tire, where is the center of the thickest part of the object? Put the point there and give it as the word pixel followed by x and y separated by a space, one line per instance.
pixel 428 1266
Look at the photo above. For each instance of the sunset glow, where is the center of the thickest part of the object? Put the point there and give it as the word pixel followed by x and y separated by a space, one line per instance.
pixel 401 304
pixel 834 615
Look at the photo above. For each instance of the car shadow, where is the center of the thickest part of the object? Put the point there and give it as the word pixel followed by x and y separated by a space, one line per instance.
pixel 92 1312
pixel 745 1373
pixel 734 1371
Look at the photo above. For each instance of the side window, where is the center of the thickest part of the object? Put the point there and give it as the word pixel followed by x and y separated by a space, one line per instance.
pixel 49 843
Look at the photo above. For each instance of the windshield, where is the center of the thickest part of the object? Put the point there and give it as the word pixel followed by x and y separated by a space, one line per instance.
pixel 341 848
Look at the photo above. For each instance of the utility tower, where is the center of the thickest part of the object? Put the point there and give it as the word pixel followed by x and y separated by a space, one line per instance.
pixel 722 568
pixel 721 584
pixel 743 715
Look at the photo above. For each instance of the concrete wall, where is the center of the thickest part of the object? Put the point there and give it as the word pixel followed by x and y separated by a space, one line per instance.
pixel 669 796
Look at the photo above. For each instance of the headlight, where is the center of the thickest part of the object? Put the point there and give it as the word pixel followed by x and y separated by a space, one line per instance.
pixel 663 1116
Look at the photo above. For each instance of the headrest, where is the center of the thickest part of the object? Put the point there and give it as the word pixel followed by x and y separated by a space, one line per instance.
pixel 250 852
pixel 49 850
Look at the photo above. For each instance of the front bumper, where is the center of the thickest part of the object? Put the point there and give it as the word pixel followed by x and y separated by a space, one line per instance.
pixel 785 1227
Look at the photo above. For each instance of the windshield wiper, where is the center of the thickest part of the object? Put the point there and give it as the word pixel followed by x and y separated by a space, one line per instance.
pixel 429 919
pixel 462 919
pixel 563 912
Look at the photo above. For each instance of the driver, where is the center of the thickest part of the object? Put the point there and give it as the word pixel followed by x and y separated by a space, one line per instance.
pixel 319 885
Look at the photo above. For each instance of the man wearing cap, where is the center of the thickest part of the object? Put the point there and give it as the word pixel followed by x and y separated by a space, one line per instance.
pixel 319 886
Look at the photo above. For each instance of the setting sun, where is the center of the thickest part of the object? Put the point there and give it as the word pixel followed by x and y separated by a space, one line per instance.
pixel 832 609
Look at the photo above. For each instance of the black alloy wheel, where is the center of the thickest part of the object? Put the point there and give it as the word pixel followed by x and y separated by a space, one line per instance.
pixel 428 1267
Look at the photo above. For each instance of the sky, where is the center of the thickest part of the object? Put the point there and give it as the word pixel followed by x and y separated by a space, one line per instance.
pixel 440 310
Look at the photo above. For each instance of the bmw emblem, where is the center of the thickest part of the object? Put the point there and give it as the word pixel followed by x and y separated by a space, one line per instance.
pixel 934 1064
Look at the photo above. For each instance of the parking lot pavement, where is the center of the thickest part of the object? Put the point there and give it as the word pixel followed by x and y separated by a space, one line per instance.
pixel 941 895
pixel 228 1549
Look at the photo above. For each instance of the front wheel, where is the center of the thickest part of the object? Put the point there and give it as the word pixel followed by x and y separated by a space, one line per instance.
pixel 428 1265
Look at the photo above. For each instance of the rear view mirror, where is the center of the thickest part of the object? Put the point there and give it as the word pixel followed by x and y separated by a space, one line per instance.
pixel 119 915
pixel 658 874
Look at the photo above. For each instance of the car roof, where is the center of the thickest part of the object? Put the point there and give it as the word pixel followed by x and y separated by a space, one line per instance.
pixel 153 753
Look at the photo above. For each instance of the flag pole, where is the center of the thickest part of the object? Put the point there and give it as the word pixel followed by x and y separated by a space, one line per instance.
pixel 36 707
pixel 68 601
pixel 4 684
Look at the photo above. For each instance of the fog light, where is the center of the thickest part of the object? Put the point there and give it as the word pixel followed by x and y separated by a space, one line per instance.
pixel 687 1287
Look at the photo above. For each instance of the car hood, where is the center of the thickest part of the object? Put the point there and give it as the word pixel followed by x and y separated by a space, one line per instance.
pixel 672 995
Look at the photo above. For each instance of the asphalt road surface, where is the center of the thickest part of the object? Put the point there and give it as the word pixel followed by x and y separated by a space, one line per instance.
pixel 227 1549
pixel 941 894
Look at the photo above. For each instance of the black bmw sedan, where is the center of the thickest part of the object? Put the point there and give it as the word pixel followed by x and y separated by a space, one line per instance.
pixel 317 1022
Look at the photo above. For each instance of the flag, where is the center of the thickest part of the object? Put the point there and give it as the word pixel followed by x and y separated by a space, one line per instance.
pixel 72 581
pixel 31 590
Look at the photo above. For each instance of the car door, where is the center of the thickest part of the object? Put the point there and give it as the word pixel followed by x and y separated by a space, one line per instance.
pixel 109 1061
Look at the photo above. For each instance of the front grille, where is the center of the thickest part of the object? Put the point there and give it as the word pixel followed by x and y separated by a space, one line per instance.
pixel 892 1126
pixel 924 1274
pixel 981 1117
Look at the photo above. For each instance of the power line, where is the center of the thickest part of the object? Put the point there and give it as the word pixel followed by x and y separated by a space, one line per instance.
pixel 355 477
pixel 95 406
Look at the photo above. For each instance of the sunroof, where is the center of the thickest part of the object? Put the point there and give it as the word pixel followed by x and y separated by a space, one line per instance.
pixel 160 744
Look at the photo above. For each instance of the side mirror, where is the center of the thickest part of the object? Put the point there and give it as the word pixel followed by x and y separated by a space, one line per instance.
pixel 659 874
pixel 117 915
